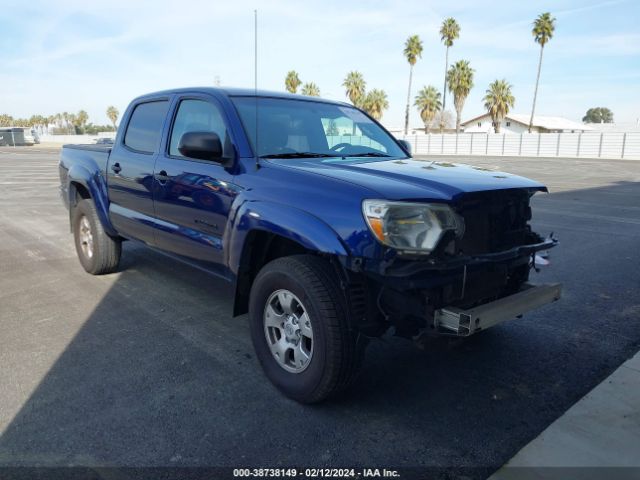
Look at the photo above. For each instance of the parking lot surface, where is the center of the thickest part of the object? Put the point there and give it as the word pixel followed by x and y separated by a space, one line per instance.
pixel 147 367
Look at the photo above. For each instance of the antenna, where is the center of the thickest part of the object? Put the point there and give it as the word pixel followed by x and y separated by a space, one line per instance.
pixel 255 79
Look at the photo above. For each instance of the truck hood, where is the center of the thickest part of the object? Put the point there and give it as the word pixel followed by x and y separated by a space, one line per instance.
pixel 413 179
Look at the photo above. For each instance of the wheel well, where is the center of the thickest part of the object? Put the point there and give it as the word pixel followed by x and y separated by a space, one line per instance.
pixel 80 192
pixel 77 192
pixel 259 249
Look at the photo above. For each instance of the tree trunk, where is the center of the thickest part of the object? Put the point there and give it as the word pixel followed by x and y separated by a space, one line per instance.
pixel 406 114
pixel 458 118
pixel 535 92
pixel 444 89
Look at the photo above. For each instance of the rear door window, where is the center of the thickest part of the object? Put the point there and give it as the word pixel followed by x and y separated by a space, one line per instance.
pixel 145 127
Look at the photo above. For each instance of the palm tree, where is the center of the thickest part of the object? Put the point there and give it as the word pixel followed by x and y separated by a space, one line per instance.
pixel 412 51
pixel 428 103
pixel 72 122
pixel 112 114
pixel 292 82
pixel 543 28
pixel 449 31
pixel 460 80
pixel 375 103
pixel 310 89
pixel 6 120
pixel 498 100
pixel 82 118
pixel 355 87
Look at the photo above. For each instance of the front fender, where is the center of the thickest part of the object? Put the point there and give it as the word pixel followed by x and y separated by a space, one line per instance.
pixel 285 221
pixel 97 188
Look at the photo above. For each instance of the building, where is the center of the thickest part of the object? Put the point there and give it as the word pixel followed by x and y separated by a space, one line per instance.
pixel 519 123
pixel 618 127
pixel 17 136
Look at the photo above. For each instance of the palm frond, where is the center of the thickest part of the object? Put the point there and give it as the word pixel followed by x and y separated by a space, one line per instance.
pixel 449 31
pixel 543 28
pixel 413 49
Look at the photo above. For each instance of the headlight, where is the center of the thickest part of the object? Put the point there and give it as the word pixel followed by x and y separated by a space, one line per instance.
pixel 417 227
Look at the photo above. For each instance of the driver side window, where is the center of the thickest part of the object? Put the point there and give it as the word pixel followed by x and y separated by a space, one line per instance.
pixel 197 116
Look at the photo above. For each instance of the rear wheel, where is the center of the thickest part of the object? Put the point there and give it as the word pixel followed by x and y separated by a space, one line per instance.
pixel 300 330
pixel 98 252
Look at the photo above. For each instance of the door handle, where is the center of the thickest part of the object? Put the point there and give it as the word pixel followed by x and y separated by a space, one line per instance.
pixel 162 175
pixel 116 167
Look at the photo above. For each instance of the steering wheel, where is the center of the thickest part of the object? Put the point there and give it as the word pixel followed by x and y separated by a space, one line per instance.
pixel 340 146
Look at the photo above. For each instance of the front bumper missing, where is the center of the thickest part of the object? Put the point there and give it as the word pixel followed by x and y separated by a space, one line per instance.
pixel 395 267
pixel 456 321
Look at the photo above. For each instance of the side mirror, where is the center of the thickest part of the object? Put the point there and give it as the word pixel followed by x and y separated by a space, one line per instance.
pixel 406 146
pixel 201 145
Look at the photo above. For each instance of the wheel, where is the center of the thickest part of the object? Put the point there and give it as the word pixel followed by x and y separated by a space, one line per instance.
pixel 98 252
pixel 299 328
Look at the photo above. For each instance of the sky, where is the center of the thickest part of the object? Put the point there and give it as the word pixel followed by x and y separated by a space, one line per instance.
pixel 72 55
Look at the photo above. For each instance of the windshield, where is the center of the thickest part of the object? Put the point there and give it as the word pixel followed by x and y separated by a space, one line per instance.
pixel 299 128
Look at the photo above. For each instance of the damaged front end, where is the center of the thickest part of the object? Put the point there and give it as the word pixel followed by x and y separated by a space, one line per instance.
pixel 475 276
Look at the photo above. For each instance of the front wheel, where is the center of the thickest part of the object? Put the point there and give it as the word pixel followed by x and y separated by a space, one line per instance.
pixel 300 329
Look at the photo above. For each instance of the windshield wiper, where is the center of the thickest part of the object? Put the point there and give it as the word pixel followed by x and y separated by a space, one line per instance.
pixel 297 155
pixel 367 154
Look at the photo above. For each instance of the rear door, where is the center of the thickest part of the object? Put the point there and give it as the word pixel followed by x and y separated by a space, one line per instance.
pixel 193 197
pixel 130 171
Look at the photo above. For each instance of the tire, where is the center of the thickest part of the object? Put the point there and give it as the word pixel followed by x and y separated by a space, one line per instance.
pixel 333 352
pixel 98 252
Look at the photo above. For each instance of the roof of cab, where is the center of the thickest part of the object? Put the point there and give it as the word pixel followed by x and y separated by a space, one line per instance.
pixel 238 92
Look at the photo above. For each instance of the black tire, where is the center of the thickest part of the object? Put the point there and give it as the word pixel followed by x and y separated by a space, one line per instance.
pixel 336 354
pixel 105 251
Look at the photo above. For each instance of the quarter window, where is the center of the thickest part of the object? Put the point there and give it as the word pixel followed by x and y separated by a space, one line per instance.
pixel 198 116
pixel 145 127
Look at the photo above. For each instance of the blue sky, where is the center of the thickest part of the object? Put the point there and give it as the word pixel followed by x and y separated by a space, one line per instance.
pixel 72 55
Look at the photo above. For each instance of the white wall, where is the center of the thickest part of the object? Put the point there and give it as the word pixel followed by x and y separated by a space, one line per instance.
pixel 571 145
pixel 75 139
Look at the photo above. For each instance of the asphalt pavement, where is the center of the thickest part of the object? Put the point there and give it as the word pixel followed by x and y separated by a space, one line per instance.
pixel 147 367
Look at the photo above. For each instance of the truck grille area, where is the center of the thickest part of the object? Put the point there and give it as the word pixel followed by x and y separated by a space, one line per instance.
pixel 495 221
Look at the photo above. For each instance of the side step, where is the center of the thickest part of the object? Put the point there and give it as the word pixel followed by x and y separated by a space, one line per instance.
pixel 453 320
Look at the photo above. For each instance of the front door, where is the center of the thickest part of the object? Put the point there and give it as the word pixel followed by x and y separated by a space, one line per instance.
pixel 192 197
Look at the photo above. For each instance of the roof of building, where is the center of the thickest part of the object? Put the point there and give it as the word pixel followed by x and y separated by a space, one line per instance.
pixel 616 127
pixel 541 121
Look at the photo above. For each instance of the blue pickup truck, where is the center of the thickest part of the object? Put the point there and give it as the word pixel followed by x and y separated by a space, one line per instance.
pixel 329 231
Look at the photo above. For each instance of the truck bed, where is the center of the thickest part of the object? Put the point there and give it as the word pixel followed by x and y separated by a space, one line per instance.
pixel 89 146
pixel 89 159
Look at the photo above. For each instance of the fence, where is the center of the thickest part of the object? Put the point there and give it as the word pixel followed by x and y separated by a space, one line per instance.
pixel 576 145
pixel 77 139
